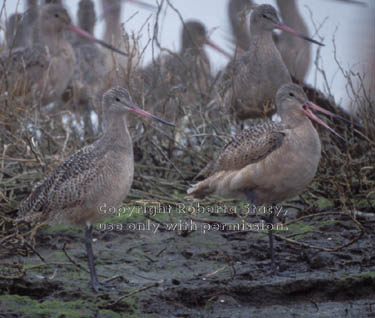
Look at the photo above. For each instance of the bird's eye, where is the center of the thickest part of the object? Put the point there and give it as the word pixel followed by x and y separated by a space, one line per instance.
pixel 264 16
pixel 291 95
pixel 117 99
pixel 56 15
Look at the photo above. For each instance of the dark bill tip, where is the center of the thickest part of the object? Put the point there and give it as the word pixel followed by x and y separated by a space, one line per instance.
pixel 295 33
pixel 88 36
pixel 142 112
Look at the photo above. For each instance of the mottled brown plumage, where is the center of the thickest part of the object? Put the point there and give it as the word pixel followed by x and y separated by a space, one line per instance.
pixel 250 146
pixel 187 71
pixel 190 67
pixel 43 70
pixel 274 161
pixel 95 178
pixel 98 173
pixel 270 162
pixel 253 78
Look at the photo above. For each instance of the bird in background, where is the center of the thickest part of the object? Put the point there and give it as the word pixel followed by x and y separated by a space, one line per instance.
pixel 251 80
pixel 42 71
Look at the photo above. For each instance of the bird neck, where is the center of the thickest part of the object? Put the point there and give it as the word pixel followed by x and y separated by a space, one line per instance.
pixel 116 128
pixel 293 119
pixel 191 47
pixel 262 39
pixel 53 40
pixel 192 50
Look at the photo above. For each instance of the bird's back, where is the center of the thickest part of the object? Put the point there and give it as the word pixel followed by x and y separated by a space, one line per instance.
pixel 95 175
pixel 253 79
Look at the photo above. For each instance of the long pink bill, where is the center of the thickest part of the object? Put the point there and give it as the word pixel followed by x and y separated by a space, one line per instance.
pixel 306 109
pixel 141 112
pixel 88 36
pixel 218 48
pixel 295 33
pixel 326 112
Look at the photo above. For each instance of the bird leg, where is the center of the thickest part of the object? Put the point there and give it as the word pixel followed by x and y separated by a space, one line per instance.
pixel 269 222
pixel 90 257
pixel 268 218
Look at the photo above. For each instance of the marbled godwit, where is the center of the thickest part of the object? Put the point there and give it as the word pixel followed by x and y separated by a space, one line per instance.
pixel 270 162
pixel 176 83
pixel 296 52
pixel 44 70
pixel 189 68
pixel 98 175
pixel 238 11
pixel 254 77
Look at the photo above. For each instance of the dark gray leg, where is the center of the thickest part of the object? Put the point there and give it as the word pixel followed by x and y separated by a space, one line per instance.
pixel 269 220
pixel 90 257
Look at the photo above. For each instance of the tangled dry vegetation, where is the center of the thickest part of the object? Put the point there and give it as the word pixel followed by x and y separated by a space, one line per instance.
pixel 33 141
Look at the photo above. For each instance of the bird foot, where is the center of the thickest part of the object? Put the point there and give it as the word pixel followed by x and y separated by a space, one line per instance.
pixel 97 286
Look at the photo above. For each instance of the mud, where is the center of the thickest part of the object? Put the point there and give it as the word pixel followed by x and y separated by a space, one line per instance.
pixel 207 272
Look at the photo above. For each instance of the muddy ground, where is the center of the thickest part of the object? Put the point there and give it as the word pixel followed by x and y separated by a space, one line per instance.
pixel 210 272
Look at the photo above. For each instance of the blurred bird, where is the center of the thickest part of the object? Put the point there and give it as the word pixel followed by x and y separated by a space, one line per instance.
pixel 251 80
pixel 43 70
pixel 188 69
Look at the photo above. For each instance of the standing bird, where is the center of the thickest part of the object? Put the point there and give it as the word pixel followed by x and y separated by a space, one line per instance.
pixel 96 176
pixel 296 52
pixel 44 70
pixel 270 162
pixel 253 78
pixel 176 83
pixel 189 68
